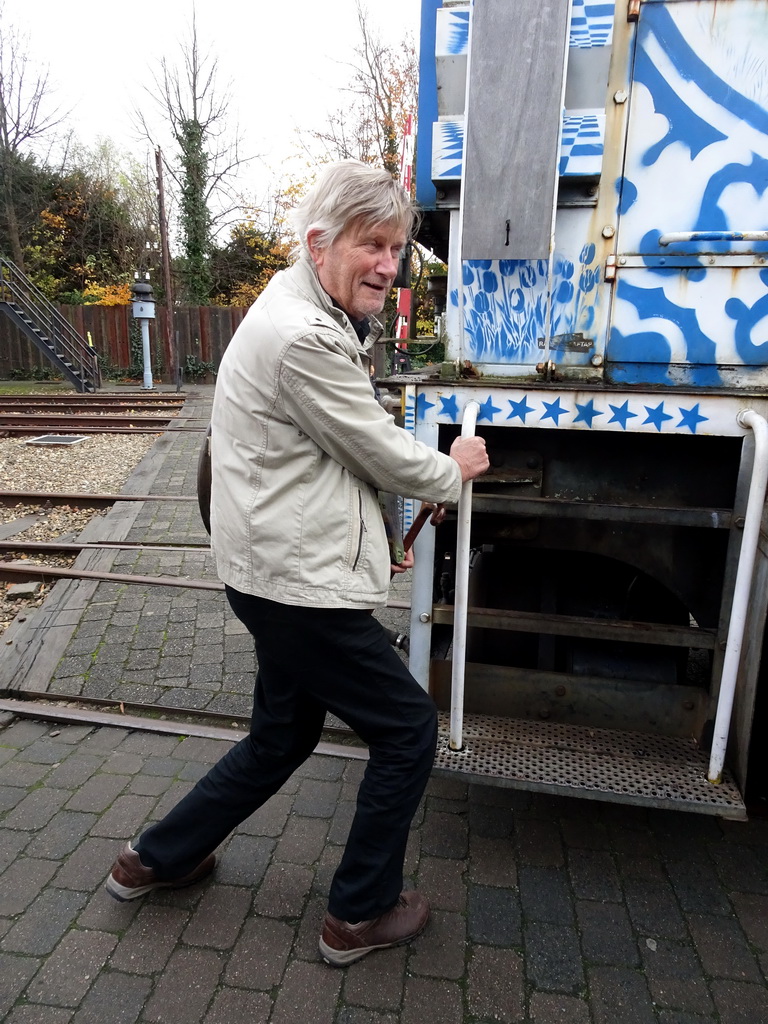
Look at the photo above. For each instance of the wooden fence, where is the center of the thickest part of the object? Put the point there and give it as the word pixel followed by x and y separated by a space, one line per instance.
pixel 202 333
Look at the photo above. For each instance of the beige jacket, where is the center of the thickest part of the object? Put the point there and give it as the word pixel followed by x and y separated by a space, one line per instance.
pixel 299 448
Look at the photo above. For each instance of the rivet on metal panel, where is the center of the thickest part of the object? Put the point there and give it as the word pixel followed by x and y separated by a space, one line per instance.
pixel 597 360
pixel 623 260
pixel 739 522
pixel 560 691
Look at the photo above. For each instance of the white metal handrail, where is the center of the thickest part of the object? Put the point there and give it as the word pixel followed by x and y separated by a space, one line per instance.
pixel 461 597
pixel 741 590
pixel 672 237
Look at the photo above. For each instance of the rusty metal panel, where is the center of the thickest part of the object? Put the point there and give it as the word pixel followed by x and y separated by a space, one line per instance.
pixel 514 112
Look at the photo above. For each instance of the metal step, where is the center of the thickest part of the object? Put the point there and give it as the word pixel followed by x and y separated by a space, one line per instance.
pixel 598 764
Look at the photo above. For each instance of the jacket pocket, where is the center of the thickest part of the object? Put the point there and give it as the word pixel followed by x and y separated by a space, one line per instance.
pixel 362 530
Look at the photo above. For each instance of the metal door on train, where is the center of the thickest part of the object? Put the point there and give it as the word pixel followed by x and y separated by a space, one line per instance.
pixel 690 305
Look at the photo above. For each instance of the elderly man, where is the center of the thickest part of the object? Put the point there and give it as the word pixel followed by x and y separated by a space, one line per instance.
pixel 299 448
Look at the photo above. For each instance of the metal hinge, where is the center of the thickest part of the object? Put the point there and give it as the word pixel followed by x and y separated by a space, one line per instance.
pixel 633 10
pixel 610 268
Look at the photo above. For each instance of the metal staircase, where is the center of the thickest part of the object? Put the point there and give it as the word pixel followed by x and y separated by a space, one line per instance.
pixel 46 328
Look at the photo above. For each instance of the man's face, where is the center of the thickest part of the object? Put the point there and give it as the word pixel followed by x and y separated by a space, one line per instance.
pixel 358 269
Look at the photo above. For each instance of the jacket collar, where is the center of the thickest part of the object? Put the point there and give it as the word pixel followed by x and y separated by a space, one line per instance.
pixel 304 277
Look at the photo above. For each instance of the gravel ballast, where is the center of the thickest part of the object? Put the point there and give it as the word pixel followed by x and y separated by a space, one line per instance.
pixel 100 464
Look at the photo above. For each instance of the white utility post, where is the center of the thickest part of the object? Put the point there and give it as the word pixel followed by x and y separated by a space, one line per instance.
pixel 144 311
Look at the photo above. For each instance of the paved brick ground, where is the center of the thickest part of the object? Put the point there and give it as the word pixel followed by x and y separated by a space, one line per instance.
pixel 546 910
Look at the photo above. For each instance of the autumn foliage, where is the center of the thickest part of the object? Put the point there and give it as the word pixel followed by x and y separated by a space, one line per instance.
pixel 242 268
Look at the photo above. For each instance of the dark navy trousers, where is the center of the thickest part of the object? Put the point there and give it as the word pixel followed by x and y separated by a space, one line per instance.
pixel 314 660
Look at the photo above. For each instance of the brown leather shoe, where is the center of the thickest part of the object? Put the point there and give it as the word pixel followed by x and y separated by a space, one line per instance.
pixel 130 878
pixel 342 943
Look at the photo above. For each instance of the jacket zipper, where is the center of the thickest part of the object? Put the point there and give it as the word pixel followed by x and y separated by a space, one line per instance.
pixel 363 529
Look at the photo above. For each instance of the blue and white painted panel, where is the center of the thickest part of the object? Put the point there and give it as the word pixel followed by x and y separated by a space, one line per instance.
pixel 583 131
pixel 505 306
pixel 451 52
pixel 703 318
pixel 697 161
pixel 591 24
pixel 553 409
pixel 447 149
pixel 581 145
pixel 697 148
pixel 452 32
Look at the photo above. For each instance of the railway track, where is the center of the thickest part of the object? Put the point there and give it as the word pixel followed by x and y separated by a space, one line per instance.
pixel 52 560
pixel 338 739
pixel 12 571
pixel 93 403
pixel 30 424
pixel 23 573
pixel 43 547
pixel 81 499
pixel 16 572
pixel 30 415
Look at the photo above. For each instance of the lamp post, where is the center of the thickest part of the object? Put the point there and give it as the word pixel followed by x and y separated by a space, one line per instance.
pixel 144 311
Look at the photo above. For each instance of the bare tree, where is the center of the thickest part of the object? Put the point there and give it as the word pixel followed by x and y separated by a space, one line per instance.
pixel 384 80
pixel 195 109
pixel 24 118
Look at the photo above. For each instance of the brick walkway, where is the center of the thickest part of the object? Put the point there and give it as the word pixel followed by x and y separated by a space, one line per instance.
pixel 544 909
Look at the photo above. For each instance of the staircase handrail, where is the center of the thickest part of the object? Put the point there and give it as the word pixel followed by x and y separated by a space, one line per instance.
pixel 42 310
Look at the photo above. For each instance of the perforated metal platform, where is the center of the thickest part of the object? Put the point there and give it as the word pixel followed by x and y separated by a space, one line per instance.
pixel 572 760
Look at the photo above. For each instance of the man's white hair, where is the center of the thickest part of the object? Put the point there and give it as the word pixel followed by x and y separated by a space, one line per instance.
pixel 351 191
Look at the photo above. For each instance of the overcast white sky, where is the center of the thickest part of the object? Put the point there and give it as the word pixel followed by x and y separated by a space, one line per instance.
pixel 284 57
